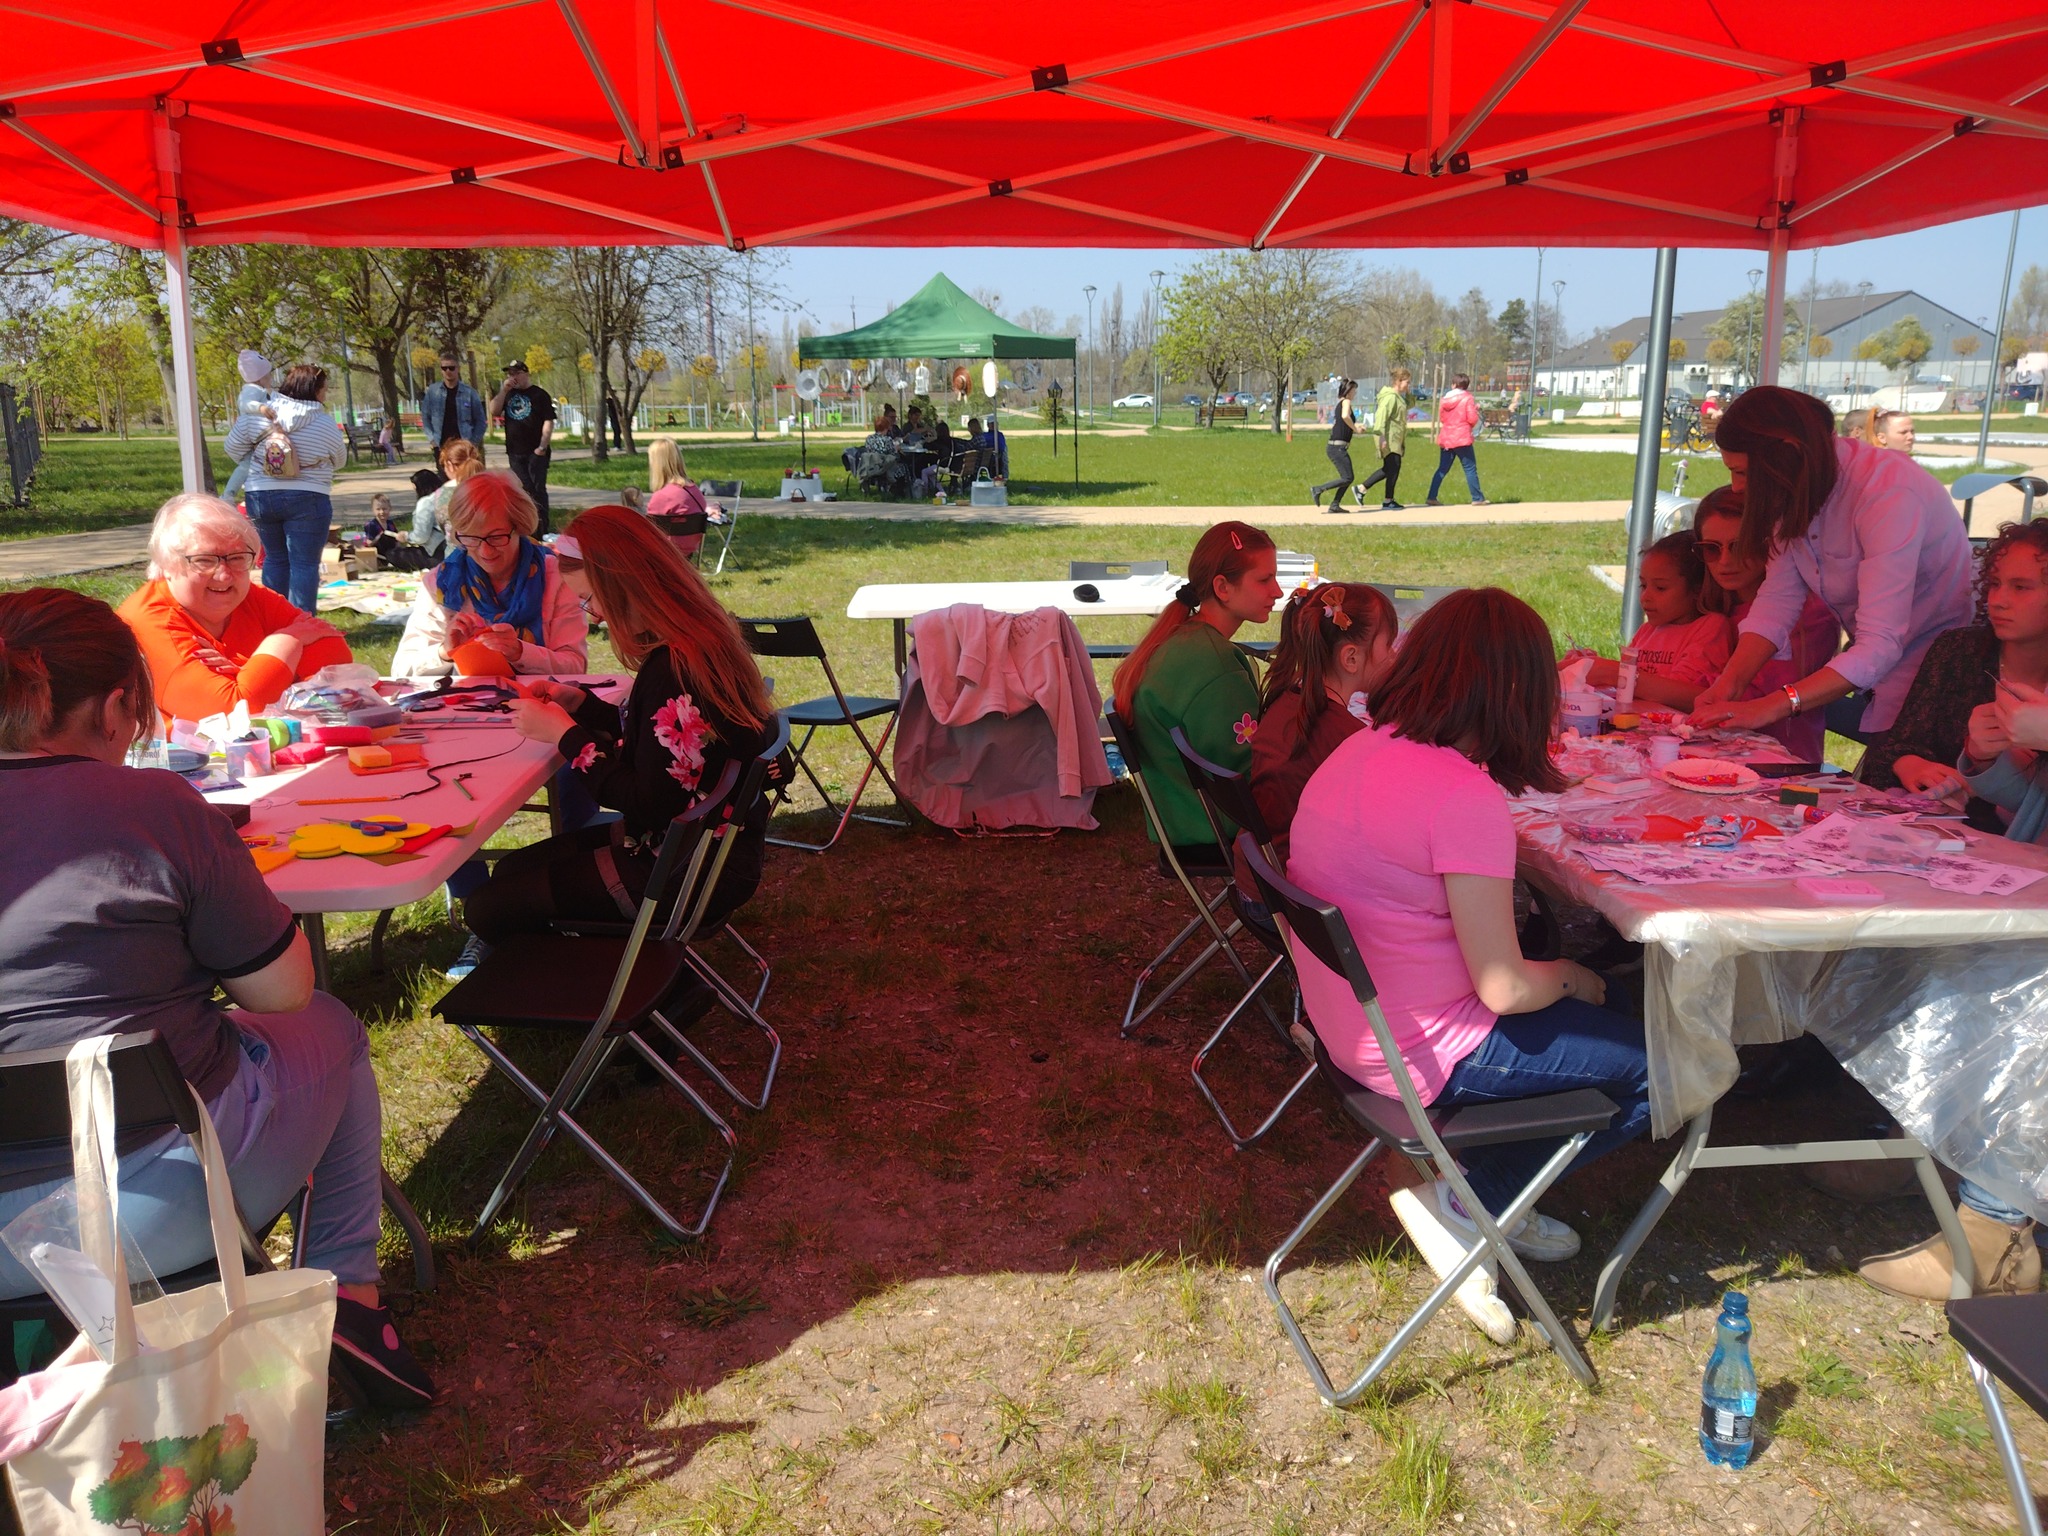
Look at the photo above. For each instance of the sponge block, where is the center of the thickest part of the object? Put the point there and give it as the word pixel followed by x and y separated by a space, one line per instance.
pixel 369 757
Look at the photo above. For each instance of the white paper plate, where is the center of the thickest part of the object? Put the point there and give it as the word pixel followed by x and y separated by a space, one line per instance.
pixel 1682 774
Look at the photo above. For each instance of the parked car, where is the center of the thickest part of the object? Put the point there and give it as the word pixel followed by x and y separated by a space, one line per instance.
pixel 1131 402
pixel 1194 400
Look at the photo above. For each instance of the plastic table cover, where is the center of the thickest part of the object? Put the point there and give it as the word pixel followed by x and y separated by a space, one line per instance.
pixel 1935 1002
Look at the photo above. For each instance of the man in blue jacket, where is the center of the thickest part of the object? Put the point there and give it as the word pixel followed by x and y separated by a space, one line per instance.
pixel 449 407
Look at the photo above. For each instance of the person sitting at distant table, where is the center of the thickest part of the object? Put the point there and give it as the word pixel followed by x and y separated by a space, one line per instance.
pixel 211 637
pixel 671 493
pixel 889 426
pixel 497 588
pixel 991 449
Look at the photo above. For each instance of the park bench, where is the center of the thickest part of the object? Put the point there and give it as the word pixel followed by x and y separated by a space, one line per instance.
pixel 360 439
pixel 1499 421
pixel 1211 414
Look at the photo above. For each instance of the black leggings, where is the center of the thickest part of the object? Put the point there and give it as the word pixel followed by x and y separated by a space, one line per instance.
pixel 1389 471
pixel 561 878
pixel 1340 455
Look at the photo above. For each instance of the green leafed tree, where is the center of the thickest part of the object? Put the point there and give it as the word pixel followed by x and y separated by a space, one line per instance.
pixel 1903 345
pixel 1196 340
pixel 177 1486
pixel 1287 307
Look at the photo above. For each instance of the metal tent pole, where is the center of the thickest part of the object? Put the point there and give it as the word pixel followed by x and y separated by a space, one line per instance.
pixel 1771 359
pixel 1642 511
pixel 1997 340
pixel 184 362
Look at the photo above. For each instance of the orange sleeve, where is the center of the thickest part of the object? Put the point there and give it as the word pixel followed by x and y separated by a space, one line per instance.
pixel 324 653
pixel 260 681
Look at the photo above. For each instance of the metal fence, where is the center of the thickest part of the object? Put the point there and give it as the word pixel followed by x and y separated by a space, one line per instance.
pixel 21 445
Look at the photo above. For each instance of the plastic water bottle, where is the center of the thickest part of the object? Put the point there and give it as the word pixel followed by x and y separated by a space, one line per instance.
pixel 1728 1393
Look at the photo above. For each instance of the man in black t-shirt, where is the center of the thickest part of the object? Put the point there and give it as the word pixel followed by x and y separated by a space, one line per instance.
pixel 528 412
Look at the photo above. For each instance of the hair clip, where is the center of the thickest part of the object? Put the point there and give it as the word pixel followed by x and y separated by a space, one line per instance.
pixel 1236 542
pixel 1333 606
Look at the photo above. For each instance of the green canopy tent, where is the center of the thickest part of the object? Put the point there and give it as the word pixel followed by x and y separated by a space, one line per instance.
pixel 941 321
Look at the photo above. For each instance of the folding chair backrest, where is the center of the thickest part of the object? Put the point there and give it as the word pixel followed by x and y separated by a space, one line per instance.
pixel 1226 797
pixel 1113 570
pixel 739 790
pixel 150 1092
pixel 1125 738
pixel 681 845
pixel 783 637
pixel 681 524
pixel 1315 925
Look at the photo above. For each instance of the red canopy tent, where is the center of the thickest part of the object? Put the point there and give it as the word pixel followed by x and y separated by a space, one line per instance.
pixel 1754 123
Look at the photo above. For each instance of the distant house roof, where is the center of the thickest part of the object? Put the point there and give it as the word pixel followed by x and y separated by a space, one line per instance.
pixel 1829 315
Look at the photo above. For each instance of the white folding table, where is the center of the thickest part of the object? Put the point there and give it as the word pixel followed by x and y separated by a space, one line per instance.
pixel 1129 597
pixel 510 770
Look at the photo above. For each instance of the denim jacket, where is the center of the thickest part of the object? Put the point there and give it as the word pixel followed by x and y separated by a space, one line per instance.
pixel 469 412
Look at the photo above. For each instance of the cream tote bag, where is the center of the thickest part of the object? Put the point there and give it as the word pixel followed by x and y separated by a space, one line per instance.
pixel 210 1417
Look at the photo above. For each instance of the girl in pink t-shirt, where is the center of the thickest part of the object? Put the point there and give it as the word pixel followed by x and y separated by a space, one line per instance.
pixel 1681 647
pixel 1406 830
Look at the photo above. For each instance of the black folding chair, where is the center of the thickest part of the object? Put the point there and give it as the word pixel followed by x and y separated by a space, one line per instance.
pixel 798 638
pixel 557 981
pixel 1112 570
pixel 1228 802
pixel 1431 1135
pixel 728 494
pixel 681 527
pixel 1173 867
pixel 2005 1338
pixel 150 1094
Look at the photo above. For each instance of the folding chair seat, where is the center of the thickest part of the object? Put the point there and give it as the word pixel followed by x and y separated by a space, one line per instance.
pixel 1112 570
pixel 1227 799
pixel 1429 1135
pixel 610 987
pixel 1185 874
pixel 2005 1338
pixel 798 637
pixel 727 494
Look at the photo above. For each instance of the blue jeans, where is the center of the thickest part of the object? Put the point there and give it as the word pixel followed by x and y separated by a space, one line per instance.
pixel 293 527
pixel 1570 1044
pixel 303 1101
pixel 1985 1203
pixel 1464 456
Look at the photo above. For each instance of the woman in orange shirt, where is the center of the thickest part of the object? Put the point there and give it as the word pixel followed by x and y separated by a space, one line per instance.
pixel 211 638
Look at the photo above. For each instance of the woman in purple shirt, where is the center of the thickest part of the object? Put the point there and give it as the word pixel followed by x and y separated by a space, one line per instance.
pixel 1868 532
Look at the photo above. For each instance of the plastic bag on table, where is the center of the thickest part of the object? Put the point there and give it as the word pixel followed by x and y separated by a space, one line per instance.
pixel 329 694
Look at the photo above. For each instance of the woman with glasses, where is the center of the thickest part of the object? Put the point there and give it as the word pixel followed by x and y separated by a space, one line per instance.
pixel 212 638
pixel 496 588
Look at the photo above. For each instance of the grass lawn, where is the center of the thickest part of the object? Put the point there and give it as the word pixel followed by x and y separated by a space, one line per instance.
pixel 83 483
pixel 987 1267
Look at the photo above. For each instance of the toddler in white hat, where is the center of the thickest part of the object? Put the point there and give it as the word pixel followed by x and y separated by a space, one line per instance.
pixel 254 400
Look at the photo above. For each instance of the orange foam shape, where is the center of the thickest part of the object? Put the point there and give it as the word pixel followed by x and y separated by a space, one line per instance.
pixel 478 660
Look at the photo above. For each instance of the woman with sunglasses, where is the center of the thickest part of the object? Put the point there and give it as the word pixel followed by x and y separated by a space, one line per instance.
pixel 212 638
pixel 497 588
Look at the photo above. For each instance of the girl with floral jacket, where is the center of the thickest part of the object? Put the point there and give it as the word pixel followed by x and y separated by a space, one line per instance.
pixel 698 702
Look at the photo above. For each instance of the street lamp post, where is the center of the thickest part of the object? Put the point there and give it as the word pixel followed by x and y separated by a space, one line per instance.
pixel 1556 324
pixel 1862 311
pixel 1156 276
pixel 1089 289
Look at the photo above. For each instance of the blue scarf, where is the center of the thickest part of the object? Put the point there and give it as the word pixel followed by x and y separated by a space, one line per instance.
pixel 464 582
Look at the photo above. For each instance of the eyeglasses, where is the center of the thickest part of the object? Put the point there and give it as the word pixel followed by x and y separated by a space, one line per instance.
pixel 476 541
pixel 1712 552
pixel 451 368
pixel 206 565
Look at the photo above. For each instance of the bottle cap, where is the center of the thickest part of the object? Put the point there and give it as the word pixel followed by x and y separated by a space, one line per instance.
pixel 1736 1302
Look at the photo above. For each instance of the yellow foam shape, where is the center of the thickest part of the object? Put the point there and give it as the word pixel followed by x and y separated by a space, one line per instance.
pixel 317 839
pixel 353 841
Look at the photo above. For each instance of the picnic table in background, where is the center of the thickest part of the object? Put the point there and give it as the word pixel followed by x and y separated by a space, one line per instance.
pixel 1130 596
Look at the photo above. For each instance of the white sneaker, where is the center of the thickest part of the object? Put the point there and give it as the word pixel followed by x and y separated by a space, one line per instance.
pixel 1536 1236
pixel 1443 1251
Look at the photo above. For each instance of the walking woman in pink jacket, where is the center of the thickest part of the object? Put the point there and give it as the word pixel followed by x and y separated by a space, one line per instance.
pixel 1457 418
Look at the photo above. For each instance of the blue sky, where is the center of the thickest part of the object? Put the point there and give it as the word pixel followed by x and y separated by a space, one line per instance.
pixel 1957 264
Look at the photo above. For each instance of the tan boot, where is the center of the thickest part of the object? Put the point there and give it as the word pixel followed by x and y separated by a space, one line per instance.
pixel 2006 1259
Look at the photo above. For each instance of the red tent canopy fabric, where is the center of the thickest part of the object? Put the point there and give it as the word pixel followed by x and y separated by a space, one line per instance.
pixel 1137 123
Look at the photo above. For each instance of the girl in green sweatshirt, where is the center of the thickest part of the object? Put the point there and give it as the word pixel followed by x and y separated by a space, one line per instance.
pixel 1390 427
pixel 1186 673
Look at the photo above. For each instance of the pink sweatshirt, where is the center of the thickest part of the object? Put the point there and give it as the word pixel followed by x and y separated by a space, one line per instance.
pixel 1686 653
pixel 1457 416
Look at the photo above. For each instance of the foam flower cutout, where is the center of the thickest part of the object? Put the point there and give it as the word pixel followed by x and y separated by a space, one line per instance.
pixel 583 761
pixel 680 727
pixel 1245 729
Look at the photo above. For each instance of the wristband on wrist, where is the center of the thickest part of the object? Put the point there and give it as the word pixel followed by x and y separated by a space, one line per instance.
pixel 1792 694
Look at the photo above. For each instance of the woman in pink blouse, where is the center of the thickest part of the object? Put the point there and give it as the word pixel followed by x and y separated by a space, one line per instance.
pixel 1405 828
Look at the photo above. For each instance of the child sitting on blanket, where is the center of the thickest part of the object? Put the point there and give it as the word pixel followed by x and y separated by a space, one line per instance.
pixel 1680 648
